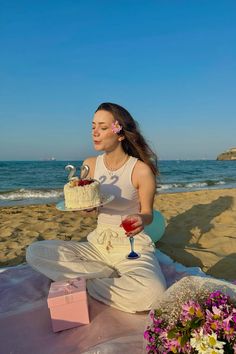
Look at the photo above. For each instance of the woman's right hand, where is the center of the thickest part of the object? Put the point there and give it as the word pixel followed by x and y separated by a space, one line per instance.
pixel 89 212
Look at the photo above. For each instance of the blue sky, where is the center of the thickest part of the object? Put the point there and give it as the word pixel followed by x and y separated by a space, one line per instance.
pixel 171 63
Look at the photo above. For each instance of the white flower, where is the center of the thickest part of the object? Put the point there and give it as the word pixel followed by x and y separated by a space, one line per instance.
pixel 215 351
pixel 213 342
pixel 196 339
pixel 206 344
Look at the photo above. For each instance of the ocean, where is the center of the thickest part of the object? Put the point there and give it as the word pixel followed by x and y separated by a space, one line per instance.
pixel 41 182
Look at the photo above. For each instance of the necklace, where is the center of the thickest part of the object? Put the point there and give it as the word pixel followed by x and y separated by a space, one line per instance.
pixel 112 170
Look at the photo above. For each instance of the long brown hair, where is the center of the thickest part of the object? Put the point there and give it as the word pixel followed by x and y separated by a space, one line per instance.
pixel 134 143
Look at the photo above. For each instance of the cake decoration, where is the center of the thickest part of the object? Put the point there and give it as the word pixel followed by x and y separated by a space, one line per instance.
pixel 81 192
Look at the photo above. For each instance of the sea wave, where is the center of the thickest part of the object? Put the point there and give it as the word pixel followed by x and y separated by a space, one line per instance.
pixel 189 185
pixel 24 194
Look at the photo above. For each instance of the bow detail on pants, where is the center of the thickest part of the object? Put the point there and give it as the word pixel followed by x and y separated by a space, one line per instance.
pixel 105 237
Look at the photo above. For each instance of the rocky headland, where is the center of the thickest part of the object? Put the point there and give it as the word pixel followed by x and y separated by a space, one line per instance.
pixel 228 155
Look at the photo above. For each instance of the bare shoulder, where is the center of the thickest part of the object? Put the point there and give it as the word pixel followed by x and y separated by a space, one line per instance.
pixel 91 162
pixel 142 172
pixel 142 169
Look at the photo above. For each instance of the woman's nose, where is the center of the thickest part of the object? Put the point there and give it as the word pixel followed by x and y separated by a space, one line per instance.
pixel 95 132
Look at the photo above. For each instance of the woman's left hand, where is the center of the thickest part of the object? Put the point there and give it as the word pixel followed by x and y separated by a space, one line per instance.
pixel 137 224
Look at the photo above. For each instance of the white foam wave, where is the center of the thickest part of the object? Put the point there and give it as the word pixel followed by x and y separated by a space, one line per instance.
pixel 192 185
pixel 196 185
pixel 31 194
pixel 169 186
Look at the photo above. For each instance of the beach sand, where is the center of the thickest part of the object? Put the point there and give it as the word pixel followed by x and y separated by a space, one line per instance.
pixel 201 229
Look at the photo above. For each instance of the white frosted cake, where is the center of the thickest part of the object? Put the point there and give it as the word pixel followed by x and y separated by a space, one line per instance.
pixel 83 193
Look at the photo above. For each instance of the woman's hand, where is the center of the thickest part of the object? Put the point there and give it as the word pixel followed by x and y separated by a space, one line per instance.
pixel 89 212
pixel 133 224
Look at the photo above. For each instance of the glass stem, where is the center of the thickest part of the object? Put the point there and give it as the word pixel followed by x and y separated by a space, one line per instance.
pixel 131 240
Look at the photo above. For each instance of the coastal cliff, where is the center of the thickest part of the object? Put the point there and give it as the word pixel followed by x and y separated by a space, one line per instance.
pixel 227 155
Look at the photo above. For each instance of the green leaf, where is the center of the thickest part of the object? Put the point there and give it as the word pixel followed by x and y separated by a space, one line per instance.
pixel 172 333
pixel 184 339
pixel 158 313
pixel 196 322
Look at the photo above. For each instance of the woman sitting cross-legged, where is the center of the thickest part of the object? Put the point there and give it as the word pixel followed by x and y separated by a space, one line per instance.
pixel 127 170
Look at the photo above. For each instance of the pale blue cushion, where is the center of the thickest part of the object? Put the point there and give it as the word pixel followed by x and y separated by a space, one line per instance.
pixel 157 228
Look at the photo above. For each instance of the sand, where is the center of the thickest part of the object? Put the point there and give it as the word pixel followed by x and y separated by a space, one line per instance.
pixel 201 229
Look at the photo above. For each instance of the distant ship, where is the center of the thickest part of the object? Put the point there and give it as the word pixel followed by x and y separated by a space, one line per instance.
pixel 50 159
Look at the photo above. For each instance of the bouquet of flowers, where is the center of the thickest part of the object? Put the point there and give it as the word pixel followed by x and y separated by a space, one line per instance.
pixel 206 325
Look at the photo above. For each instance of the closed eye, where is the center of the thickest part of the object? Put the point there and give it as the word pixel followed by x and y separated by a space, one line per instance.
pixel 102 128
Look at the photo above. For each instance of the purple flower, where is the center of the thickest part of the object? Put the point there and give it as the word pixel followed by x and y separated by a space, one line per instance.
pixel 217 298
pixel 146 335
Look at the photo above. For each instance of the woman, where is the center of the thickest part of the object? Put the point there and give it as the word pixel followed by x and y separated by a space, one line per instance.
pixel 127 170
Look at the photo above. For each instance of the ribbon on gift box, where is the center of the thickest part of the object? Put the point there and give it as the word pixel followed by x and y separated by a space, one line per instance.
pixel 66 286
pixel 66 292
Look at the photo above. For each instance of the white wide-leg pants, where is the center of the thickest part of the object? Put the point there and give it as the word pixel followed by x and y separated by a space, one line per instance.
pixel 128 285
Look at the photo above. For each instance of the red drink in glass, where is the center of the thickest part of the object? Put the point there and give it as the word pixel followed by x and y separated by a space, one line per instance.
pixel 127 224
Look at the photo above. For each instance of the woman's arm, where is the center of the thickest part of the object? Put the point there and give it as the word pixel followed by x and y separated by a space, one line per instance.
pixel 144 180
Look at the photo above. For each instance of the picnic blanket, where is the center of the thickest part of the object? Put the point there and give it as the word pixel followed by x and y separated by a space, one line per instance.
pixel 25 324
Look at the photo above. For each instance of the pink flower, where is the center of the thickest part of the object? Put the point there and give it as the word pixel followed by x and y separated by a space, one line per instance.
pixel 116 127
pixel 190 310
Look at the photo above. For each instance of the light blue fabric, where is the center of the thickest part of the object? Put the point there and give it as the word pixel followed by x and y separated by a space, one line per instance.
pixel 157 228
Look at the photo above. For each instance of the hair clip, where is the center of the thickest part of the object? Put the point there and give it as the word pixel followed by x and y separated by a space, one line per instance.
pixel 116 127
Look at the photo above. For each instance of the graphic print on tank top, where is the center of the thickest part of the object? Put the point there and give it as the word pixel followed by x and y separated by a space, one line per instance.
pixel 118 183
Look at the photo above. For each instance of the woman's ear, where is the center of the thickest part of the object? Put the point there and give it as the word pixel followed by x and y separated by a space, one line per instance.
pixel 121 138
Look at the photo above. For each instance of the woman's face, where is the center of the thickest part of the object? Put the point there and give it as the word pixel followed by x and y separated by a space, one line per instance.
pixel 103 136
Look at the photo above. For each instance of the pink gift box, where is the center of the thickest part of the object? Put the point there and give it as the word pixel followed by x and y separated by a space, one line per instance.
pixel 68 305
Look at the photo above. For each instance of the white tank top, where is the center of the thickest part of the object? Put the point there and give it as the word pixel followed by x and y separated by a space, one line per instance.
pixel 119 184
